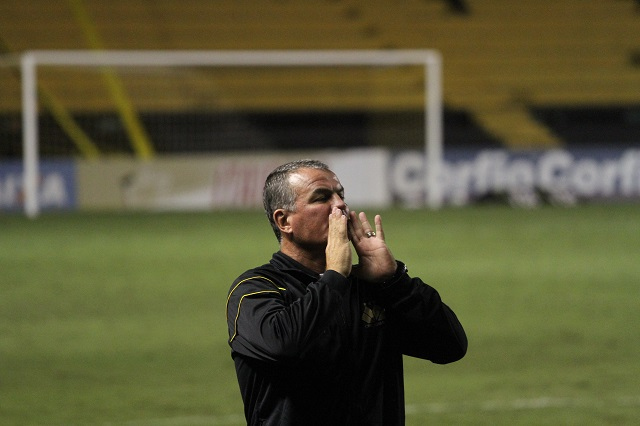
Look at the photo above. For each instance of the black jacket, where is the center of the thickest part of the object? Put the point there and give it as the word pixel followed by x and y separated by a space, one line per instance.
pixel 315 349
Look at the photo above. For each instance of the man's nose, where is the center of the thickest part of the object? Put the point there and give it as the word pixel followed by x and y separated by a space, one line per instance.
pixel 339 202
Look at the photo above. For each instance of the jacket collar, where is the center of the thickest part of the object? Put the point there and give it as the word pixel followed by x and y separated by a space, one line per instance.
pixel 292 267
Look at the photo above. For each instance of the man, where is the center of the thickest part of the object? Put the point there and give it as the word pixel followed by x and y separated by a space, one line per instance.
pixel 317 340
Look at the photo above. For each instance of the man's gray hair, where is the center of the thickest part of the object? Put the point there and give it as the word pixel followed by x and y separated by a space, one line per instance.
pixel 278 193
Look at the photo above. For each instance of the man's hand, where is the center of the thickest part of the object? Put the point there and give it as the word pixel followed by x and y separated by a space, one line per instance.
pixel 376 263
pixel 338 251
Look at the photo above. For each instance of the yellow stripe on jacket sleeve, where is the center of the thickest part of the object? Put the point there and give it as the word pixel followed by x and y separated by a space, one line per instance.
pixel 235 323
pixel 258 277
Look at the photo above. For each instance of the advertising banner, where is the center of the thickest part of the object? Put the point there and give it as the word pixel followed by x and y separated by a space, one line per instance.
pixel 210 182
pixel 522 178
pixel 56 186
pixel 371 177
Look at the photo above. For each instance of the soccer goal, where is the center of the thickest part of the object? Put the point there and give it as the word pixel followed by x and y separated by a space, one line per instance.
pixel 329 67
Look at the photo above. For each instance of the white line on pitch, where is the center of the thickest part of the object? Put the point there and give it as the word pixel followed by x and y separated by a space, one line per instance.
pixel 522 404
pixel 538 403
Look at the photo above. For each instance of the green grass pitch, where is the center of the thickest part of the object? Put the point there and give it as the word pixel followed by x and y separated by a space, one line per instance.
pixel 118 319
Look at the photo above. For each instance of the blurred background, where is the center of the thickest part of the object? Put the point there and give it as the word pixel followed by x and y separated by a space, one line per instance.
pixel 517 80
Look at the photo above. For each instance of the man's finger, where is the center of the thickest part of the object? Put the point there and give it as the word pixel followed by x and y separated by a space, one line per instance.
pixel 367 230
pixel 379 230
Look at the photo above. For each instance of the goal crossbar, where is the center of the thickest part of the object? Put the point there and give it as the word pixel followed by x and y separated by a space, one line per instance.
pixel 430 59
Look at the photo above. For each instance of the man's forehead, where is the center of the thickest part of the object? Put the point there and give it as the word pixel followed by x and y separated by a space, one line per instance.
pixel 312 178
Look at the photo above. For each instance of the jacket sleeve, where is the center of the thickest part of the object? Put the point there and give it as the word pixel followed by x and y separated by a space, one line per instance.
pixel 426 326
pixel 265 323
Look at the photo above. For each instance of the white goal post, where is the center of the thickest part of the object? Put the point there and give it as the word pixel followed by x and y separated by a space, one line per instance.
pixel 430 59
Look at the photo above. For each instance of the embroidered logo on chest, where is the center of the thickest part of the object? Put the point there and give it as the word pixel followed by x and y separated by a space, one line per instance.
pixel 372 315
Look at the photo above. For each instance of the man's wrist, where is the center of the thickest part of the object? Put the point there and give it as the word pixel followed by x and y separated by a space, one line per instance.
pixel 401 270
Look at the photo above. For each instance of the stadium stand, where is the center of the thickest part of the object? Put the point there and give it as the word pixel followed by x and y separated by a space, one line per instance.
pixel 515 75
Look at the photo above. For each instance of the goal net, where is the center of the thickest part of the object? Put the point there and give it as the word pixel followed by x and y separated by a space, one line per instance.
pixel 145 104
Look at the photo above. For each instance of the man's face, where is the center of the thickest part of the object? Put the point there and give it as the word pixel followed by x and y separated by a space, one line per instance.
pixel 318 192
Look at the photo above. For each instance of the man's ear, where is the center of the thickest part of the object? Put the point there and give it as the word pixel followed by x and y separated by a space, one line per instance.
pixel 281 218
